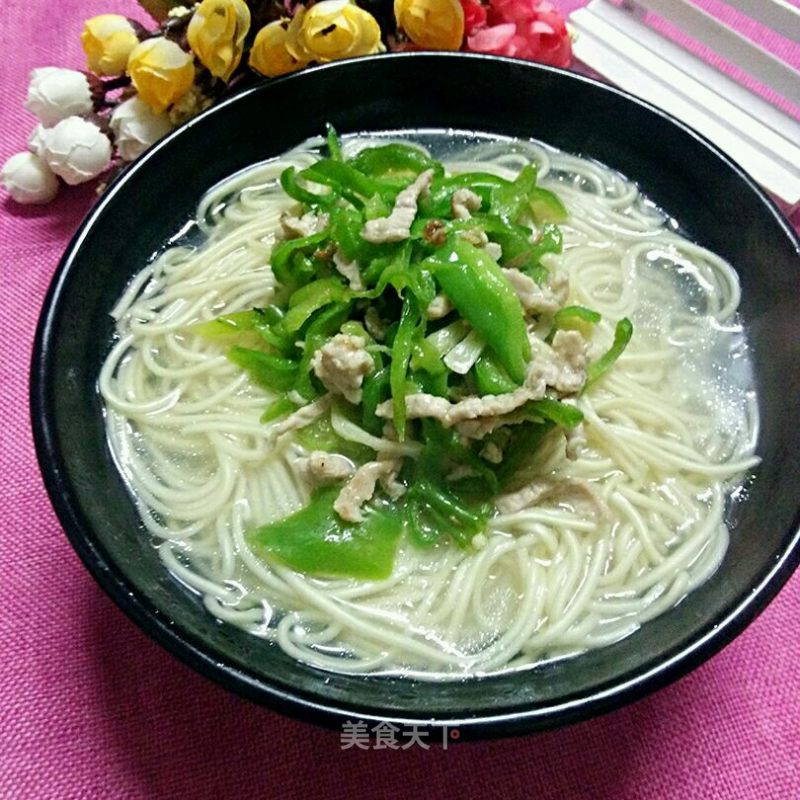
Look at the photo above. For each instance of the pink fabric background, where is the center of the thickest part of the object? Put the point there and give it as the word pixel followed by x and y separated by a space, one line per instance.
pixel 91 708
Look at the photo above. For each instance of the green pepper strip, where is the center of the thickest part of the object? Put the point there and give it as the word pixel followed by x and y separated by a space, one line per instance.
pixel 345 229
pixel 280 260
pixel 546 206
pixel 268 370
pixel 550 240
pixel 375 390
pixel 236 326
pixel 564 317
pixel 376 207
pixel 310 298
pixel 490 377
pixel 426 357
pixel 563 414
pixel 444 445
pixel 576 312
pixel 437 203
pixel 347 181
pixel 320 435
pixel 317 541
pixel 400 274
pixel 526 442
pixel 622 335
pixel 508 202
pixel 401 354
pixel 290 185
pixel 390 159
pixel 444 507
pixel 278 408
pixel 482 295
pixel 227 325
pixel 321 328
pixel 332 139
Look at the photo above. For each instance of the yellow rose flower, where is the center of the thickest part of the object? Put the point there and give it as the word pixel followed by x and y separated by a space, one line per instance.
pixel 161 72
pixel 216 34
pixel 107 41
pixel 269 54
pixel 431 24
pixel 331 30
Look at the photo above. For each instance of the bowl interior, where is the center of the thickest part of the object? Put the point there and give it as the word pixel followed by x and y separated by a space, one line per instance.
pixel 716 204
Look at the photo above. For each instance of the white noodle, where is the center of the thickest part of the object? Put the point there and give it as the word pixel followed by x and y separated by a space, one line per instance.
pixel 666 441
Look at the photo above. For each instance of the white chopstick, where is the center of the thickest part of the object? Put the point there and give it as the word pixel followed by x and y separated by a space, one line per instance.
pixel 776 14
pixel 618 44
pixel 760 63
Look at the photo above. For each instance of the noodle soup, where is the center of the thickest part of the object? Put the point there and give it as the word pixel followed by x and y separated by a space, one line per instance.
pixel 604 528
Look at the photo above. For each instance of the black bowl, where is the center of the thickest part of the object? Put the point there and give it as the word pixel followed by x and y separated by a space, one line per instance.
pixel 719 206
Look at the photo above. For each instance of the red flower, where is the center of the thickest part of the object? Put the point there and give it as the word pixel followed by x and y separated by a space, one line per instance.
pixel 474 15
pixel 532 29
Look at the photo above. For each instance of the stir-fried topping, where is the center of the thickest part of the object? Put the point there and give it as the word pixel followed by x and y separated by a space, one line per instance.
pixel 419 349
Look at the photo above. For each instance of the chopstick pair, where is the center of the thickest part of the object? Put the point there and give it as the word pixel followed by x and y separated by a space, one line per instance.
pixel 618 42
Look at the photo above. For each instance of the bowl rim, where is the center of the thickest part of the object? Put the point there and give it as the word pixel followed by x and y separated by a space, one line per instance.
pixel 301 705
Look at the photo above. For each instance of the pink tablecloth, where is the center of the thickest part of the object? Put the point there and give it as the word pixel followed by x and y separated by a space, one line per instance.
pixel 91 708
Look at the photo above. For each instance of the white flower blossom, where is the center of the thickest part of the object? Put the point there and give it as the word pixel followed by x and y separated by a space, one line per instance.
pixel 28 179
pixel 55 93
pixel 76 150
pixel 36 139
pixel 136 126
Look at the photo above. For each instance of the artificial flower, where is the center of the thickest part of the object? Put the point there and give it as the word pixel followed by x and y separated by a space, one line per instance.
pixel 431 24
pixel 107 41
pixel 136 126
pixel 333 29
pixel 76 150
pixel 55 93
pixel 474 15
pixel 269 54
pixel 36 139
pixel 216 34
pixel 189 105
pixel 531 29
pixel 161 72
pixel 28 179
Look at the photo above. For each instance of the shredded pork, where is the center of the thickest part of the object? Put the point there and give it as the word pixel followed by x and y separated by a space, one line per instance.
pixel 361 487
pixel 397 226
pixel 577 495
pixel 493 250
pixel 463 203
pixel 576 441
pixel 302 417
pixel 320 468
pixel 475 236
pixel 341 364
pixel 348 269
pixel 570 351
pixel 472 408
pixel 439 307
pixel 535 299
pixel 297 227
pixel 561 366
